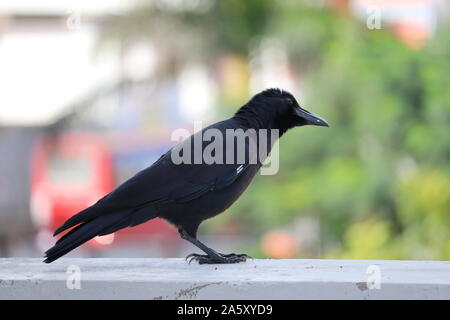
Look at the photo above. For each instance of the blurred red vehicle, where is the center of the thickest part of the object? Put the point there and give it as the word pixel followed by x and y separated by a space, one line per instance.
pixel 71 171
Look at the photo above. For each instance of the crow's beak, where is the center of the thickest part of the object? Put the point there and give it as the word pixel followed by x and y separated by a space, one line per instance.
pixel 309 118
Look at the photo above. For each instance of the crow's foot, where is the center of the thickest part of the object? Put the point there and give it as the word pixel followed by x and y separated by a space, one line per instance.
pixel 219 259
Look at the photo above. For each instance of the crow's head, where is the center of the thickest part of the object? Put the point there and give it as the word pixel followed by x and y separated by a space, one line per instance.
pixel 276 108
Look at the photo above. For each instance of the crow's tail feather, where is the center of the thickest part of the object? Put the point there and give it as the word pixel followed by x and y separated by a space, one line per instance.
pixel 85 215
pixel 84 232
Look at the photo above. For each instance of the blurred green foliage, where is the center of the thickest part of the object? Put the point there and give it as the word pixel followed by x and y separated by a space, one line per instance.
pixel 378 180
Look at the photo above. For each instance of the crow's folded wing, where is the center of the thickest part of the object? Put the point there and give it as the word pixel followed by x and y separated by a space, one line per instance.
pixel 165 182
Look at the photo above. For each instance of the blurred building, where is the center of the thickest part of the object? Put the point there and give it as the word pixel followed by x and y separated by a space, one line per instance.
pixel 413 21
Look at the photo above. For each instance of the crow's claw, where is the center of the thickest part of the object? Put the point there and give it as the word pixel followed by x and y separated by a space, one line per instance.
pixel 220 259
pixel 195 256
pixel 239 255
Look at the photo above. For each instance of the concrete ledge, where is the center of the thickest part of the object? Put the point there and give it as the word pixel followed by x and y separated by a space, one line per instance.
pixel 256 279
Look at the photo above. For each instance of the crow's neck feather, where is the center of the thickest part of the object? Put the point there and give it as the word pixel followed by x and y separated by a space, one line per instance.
pixel 255 116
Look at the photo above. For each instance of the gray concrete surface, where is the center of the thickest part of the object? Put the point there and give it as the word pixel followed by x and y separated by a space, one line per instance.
pixel 106 278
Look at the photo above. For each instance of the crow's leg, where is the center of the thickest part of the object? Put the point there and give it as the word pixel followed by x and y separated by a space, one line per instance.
pixel 211 257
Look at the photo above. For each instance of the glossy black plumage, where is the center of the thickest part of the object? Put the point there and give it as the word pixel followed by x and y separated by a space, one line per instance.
pixel 187 194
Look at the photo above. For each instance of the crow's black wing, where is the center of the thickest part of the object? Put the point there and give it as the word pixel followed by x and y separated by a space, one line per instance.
pixel 165 182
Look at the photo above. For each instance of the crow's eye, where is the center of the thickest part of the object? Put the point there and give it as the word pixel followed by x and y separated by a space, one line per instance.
pixel 290 102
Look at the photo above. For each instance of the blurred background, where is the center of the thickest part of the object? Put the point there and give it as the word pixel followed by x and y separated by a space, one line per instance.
pixel 90 92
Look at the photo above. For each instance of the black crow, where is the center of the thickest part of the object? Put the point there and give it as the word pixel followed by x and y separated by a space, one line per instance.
pixel 184 187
